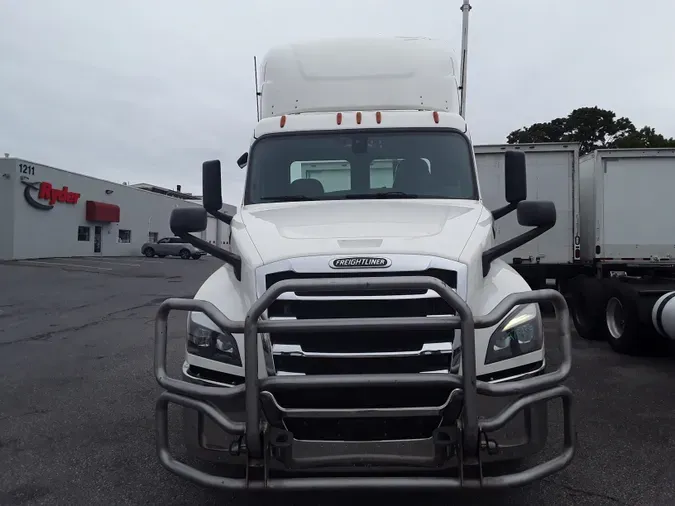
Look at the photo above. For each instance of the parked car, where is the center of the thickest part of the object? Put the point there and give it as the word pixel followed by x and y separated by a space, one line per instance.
pixel 171 246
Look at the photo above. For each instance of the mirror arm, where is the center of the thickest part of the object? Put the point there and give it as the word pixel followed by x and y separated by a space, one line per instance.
pixel 226 256
pixel 501 249
pixel 503 211
pixel 225 218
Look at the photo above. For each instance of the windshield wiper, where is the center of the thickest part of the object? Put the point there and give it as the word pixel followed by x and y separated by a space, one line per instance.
pixel 286 198
pixel 382 195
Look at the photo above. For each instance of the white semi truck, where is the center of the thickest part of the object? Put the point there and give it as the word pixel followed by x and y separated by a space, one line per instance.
pixel 364 332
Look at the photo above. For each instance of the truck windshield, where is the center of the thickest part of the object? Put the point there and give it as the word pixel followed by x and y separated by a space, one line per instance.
pixel 370 165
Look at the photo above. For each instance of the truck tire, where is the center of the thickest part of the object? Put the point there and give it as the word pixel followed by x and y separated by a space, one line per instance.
pixel 625 331
pixel 149 252
pixel 587 305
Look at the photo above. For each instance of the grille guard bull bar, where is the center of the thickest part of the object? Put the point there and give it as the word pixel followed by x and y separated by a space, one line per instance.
pixel 462 442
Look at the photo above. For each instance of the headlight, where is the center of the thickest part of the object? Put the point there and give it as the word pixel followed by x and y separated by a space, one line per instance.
pixel 212 344
pixel 520 333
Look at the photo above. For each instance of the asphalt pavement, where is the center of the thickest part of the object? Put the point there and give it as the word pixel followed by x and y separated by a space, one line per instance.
pixel 77 398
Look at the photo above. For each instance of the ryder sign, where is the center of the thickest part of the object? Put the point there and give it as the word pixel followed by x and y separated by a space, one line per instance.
pixel 47 193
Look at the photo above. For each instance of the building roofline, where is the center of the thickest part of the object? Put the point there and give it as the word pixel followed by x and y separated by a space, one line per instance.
pixel 106 181
pixel 165 191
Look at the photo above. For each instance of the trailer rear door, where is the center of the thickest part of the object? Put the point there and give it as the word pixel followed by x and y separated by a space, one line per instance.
pixel 637 206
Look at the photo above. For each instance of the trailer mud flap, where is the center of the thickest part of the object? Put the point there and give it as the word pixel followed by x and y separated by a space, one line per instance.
pixel 461 438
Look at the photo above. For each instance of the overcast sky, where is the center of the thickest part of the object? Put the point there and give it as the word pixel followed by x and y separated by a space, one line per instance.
pixel 145 90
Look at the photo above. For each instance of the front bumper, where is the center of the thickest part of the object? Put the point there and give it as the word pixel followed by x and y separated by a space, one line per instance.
pixel 461 438
pixel 523 436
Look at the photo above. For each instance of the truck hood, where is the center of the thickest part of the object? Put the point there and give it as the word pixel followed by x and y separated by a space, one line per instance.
pixel 292 229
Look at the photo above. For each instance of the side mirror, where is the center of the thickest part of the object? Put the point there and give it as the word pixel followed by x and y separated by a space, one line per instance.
pixel 242 160
pixel 536 213
pixel 185 221
pixel 515 182
pixel 212 193
pixel 188 220
pixel 515 176
pixel 539 214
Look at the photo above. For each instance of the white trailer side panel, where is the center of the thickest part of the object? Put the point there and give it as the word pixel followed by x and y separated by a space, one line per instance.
pixel 634 208
pixel 587 228
pixel 551 175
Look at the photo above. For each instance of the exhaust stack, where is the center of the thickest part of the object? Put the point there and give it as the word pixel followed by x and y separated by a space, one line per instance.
pixel 466 7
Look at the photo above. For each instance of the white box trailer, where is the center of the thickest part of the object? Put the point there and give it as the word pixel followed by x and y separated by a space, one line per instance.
pixel 623 291
pixel 552 174
pixel 627 206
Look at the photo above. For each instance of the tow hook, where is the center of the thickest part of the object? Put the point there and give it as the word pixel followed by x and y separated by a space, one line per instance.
pixel 238 446
pixel 490 445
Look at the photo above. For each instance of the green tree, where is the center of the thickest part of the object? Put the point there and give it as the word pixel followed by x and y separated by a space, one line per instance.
pixel 593 128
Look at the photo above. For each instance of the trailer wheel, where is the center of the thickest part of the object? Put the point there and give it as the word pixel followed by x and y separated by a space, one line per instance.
pixel 587 304
pixel 622 320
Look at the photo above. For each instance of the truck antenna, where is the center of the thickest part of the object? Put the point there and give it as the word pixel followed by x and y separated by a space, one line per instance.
pixel 466 7
pixel 257 91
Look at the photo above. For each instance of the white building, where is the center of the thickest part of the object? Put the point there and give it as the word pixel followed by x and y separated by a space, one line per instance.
pixel 48 212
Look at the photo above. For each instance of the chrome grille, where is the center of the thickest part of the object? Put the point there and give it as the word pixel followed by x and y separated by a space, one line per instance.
pixel 448 277
pixel 361 352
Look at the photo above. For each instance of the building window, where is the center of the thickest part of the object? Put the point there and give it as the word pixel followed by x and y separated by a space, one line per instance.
pixel 152 236
pixel 83 233
pixel 124 236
